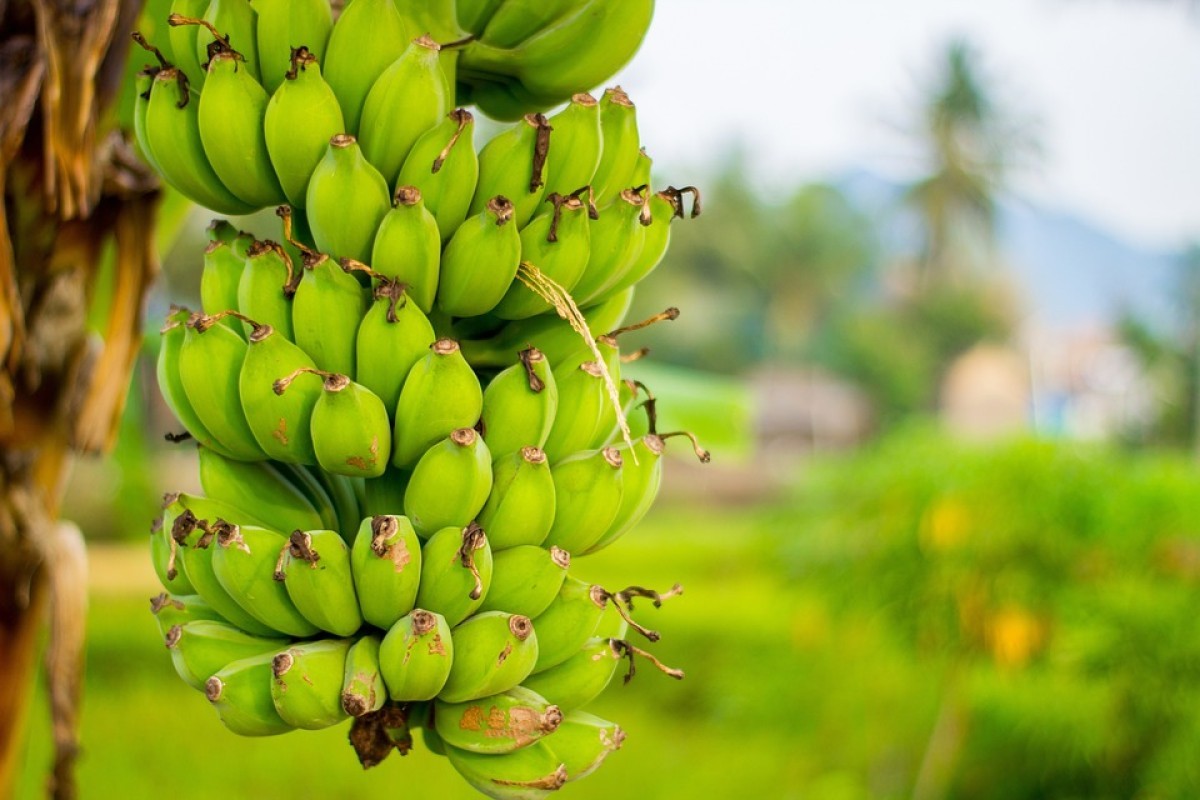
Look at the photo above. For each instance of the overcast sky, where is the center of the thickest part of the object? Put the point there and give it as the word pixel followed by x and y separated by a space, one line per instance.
pixel 1112 88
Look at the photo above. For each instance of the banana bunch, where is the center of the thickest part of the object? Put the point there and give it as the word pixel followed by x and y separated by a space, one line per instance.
pixel 409 411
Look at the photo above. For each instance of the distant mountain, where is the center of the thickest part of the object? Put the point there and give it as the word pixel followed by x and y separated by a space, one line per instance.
pixel 1071 271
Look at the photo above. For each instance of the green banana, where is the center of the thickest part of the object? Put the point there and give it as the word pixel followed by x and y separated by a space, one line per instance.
pixel 407 100
pixel 480 261
pixel 440 395
pixel 581 678
pixel 408 247
pixel 195 542
pixel 241 694
pixel 244 564
pixel 164 556
pixel 386 562
pixel 444 167
pixel 315 568
pixel 582 399
pixel 526 579
pixel 450 484
pixel 385 494
pixel 327 308
pixel 559 244
pixel 617 237
pixel 200 648
pixel 495 651
pixel 416 655
pixel 640 484
pixel 281 423
pixel 392 338
pixel 514 21
pixel 621 145
pixel 366 39
pixel 170 610
pixel 232 24
pixel 173 139
pixel 664 207
pixel 285 26
pixel 307 684
pixel 573 160
pixel 342 503
pixel 232 108
pixel 500 723
pixel 183 39
pixel 210 360
pixel 474 15
pixel 176 504
pixel 141 101
pixel 588 487
pixel 519 405
pixel 456 570
pixel 363 689
pixel 223 268
pixel 568 622
pixel 257 485
pixel 513 164
pixel 600 38
pixel 265 290
pixel 346 199
pixel 521 506
pixel 351 433
pixel 582 741
pixel 529 773
pixel 301 117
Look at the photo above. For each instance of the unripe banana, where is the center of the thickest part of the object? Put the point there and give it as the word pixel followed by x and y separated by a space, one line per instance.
pixel 164 556
pixel 257 485
pixel 440 394
pixel 619 155
pixel 386 562
pixel 559 244
pixel 529 773
pixel 587 489
pixel 175 504
pixel 450 484
pixel 514 21
pixel 513 164
pixel 444 167
pixel 141 101
pixel 582 742
pixel 346 199
pixel 501 723
pixel 474 15
pixel 568 622
pixel 520 508
pixel 416 655
pixel 202 647
pixel 244 564
pixel 196 544
pixel 656 238
pixel 307 684
pixel 265 290
pixel 408 247
pixel 223 268
pixel 573 160
pixel 281 423
pixel 286 25
pixel 407 100
pixel 183 39
pixel 327 309
pixel 315 568
pixel 363 689
pixel 495 651
pixel 617 237
pixel 173 137
pixel 640 484
pixel 232 108
pixel 170 610
pixel 519 405
pixel 210 360
pixel 456 570
pixel 366 39
pixel 392 338
pixel 526 579
pixel 582 399
pixel 351 433
pixel 241 694
pixel 232 23
pixel 343 492
pixel 385 494
pixel 581 678
pixel 480 261
pixel 302 116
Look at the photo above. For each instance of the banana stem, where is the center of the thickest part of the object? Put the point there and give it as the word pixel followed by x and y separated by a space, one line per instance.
pixel 651 406
pixel 473 539
pixel 636 355
pixel 701 453
pixel 176 438
pixel 541 149
pixel 627 594
pixel 301 58
pixel 529 356
pixel 624 648
pixel 593 213
pixel 678 195
pixel 668 314
pixel 281 385
pixel 141 40
pixel 463 118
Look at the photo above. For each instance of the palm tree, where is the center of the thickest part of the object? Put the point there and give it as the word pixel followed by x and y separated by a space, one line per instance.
pixel 77 217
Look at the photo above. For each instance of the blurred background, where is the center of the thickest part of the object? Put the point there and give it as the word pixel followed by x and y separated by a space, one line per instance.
pixel 941 332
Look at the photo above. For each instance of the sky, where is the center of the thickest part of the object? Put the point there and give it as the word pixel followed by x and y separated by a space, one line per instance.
pixel 1110 89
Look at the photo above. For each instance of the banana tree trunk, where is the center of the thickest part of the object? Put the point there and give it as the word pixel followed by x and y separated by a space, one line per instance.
pixel 77 209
